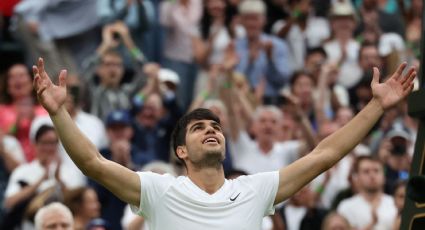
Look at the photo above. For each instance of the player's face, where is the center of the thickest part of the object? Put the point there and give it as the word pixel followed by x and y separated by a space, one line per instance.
pixel 205 143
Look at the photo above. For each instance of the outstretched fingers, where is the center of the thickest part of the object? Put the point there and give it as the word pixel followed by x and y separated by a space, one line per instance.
pixel 376 76
pixel 408 80
pixel 62 78
pixel 40 66
pixel 409 76
pixel 398 73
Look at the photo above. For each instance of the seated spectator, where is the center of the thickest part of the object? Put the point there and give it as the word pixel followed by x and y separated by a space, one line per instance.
pixel 399 197
pixel 84 205
pixel 19 107
pixel 44 172
pixel 54 216
pixel 394 152
pixel 343 48
pixel 11 156
pixel 371 13
pixel 334 221
pixel 156 112
pixel 300 212
pixel 370 208
pixel 110 94
pixel 120 131
pixel 263 57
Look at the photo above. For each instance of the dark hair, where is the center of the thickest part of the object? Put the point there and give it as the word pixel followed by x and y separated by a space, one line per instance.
pixel 297 75
pixel 365 45
pixel 318 49
pixel 42 130
pixel 359 159
pixel 74 198
pixel 206 20
pixel 178 136
pixel 5 97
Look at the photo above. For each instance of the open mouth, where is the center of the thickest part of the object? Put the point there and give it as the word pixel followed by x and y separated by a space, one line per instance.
pixel 210 140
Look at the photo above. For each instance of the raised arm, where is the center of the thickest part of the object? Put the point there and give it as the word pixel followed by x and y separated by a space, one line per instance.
pixel 82 152
pixel 340 143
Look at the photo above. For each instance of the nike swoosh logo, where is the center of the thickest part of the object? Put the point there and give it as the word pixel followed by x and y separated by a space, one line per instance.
pixel 234 198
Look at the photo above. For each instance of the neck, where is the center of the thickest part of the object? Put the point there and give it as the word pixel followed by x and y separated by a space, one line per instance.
pixel 208 179
pixel 265 145
pixel 371 197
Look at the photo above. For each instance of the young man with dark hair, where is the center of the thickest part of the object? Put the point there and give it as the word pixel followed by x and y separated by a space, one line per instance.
pixel 204 199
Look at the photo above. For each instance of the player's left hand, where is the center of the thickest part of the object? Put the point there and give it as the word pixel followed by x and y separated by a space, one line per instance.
pixel 395 88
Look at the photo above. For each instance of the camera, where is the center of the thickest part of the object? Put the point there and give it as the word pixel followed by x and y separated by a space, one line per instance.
pixel 399 149
pixel 116 36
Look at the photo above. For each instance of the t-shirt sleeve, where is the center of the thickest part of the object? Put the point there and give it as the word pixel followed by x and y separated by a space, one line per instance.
pixel 153 186
pixel 265 186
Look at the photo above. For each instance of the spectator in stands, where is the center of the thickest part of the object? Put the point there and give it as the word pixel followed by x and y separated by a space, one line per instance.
pixel 394 153
pixel 11 156
pixel 19 107
pixel 84 205
pixel 133 13
pixel 54 216
pixel 263 57
pixel 334 221
pixel 370 208
pixel 156 112
pixel 44 172
pixel 181 19
pixel 413 21
pixel 399 197
pixel 110 94
pixel 302 30
pixel 263 153
pixel 343 49
pixel 120 131
pixel 300 212
pixel 371 13
pixel 368 58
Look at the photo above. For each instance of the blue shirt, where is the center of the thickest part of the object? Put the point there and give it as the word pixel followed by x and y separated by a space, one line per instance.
pixel 276 70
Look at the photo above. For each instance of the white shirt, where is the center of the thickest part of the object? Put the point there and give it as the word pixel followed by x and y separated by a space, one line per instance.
pixel 316 32
pixel 12 147
pixel 350 72
pixel 358 212
pixel 177 203
pixel 247 155
pixel 338 181
pixel 31 172
pixel 294 215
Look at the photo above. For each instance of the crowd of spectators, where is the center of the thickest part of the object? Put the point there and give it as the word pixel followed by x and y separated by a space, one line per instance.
pixel 281 75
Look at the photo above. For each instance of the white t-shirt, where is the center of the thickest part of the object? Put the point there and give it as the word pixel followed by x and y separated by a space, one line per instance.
pixel 338 181
pixel 359 212
pixel 350 72
pixel 12 147
pixel 31 172
pixel 247 156
pixel 167 202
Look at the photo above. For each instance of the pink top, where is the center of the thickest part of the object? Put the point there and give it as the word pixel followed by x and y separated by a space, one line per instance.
pixel 8 117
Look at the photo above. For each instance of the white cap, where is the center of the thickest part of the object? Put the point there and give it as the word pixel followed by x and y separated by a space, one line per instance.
pixel 252 6
pixel 342 9
pixel 36 125
pixel 168 75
